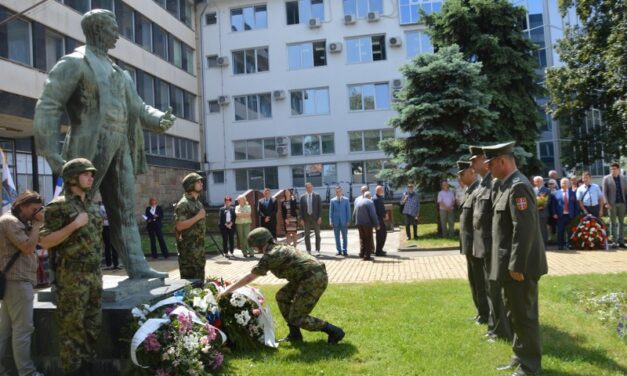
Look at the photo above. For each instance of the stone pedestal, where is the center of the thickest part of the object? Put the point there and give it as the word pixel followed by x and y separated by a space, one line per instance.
pixel 121 295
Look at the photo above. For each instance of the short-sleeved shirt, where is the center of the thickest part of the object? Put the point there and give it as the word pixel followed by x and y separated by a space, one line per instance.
pixel 242 209
pixel 446 199
pixel 289 263
pixel 14 232
pixel 592 197
pixel 192 238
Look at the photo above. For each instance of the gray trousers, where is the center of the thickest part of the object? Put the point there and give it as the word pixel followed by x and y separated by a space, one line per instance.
pixel 16 322
pixel 617 223
pixel 311 223
pixel 447 222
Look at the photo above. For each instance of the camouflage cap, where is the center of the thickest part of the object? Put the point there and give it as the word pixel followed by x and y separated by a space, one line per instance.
pixel 189 180
pixel 259 236
pixel 76 167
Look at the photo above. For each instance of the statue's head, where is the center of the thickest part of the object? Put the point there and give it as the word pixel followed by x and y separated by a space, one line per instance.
pixel 100 29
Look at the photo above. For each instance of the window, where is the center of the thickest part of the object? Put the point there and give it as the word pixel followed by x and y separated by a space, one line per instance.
pixel 143 31
pixel 146 87
pixel 176 101
pixel 365 172
pixel 175 51
pixel 54 48
pixel 361 8
pixel 365 49
pixel 368 140
pixel 409 9
pixel 211 19
pixel 124 16
pixel 317 174
pixel 264 148
pixel 80 6
pixel 163 145
pixel 162 99
pixel 249 18
pixel 181 9
pixel 253 60
pixel 307 55
pixel 189 106
pixel 214 107
pixel 212 61
pixel 310 102
pixel 368 97
pixel 418 42
pixel 102 4
pixel 18 40
pixel 159 42
pixel 188 58
pixel 312 144
pixel 218 177
pixel 256 178
pixel 304 10
pixel 253 107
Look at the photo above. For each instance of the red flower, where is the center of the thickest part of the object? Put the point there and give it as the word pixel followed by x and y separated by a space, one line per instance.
pixel 573 229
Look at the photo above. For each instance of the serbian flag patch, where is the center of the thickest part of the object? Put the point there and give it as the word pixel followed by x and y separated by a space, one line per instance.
pixel 521 203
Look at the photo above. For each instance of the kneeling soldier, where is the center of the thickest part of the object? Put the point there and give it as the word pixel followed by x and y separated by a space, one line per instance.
pixel 307 280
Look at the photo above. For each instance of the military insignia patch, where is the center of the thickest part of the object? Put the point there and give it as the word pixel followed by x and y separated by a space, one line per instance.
pixel 521 203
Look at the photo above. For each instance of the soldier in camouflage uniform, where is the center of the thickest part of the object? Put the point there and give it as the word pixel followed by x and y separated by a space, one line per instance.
pixel 189 219
pixel 307 280
pixel 72 232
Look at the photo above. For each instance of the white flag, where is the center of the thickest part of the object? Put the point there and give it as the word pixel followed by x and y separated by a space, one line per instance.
pixel 8 187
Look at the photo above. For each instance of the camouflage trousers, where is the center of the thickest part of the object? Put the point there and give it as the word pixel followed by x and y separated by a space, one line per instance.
pixel 192 263
pixel 296 300
pixel 79 316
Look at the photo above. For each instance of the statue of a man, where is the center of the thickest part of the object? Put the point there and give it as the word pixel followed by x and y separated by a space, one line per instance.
pixel 106 119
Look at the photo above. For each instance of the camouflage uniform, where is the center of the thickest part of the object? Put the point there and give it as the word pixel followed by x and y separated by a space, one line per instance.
pixel 307 280
pixel 78 279
pixel 190 243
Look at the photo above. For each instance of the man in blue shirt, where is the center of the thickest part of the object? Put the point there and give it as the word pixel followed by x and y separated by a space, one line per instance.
pixel 411 210
pixel 339 216
pixel 590 197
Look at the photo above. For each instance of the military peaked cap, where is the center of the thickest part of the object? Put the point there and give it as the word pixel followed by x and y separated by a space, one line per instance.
pixel 495 151
pixel 475 151
pixel 463 165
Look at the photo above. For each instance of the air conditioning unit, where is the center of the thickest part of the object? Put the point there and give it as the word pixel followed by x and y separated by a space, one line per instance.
pixel 397 83
pixel 349 19
pixel 223 100
pixel 335 47
pixel 395 93
pixel 222 61
pixel 314 23
pixel 395 41
pixel 278 94
pixel 282 141
pixel 373 17
pixel 282 151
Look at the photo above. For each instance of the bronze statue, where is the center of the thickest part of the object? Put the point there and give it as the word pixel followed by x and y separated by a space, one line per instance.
pixel 106 119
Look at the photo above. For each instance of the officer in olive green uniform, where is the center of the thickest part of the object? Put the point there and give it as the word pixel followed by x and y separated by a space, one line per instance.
pixel 72 231
pixel 520 256
pixel 474 264
pixel 189 218
pixel 307 280
pixel 498 323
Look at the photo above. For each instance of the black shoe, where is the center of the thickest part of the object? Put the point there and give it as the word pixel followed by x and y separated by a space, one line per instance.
pixel 294 336
pixel 335 334
pixel 416 237
pixel 622 245
pixel 513 364
pixel 481 320
pixel 521 372
pixel 381 253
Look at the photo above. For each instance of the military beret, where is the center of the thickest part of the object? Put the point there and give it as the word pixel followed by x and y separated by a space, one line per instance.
pixel 475 151
pixel 494 151
pixel 463 165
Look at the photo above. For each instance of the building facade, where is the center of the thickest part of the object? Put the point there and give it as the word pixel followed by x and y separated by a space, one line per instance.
pixel 299 91
pixel 157 46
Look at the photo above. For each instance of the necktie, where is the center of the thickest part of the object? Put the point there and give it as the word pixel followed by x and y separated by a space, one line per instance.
pixel 565 194
pixel 308 203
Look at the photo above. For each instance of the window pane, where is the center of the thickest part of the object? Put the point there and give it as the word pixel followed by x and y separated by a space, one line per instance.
pixel 387 133
pixel 311 145
pixel 240 108
pixel 349 7
pixel 306 55
pixel 378 48
pixel 237 20
pixel 329 173
pixel 189 106
pixel 163 99
pixel 214 107
pixel 296 99
pixel 328 144
pixel 19 41
pixel 412 41
pixel 317 9
pixel 382 93
pixel 240 150
pixel 102 4
pixel 238 62
pixel 188 62
pixel 169 149
pixel 81 6
pixel 254 149
pixel 293 56
pixel 265 106
pixel 368 94
pixel 352 51
pixel 355 141
pixel 269 148
pixel 177 103
pixel 372 170
pixel 250 61
pixel 375 6
pixel 313 174
pixel 253 112
pixel 291 10
pixel 272 177
pixel 304 10
pixel 355 98
pixel 255 178
pixel 322 101
pixel 371 140
pixel 425 43
pixel 159 42
pixel 154 144
pixel 319 54
pixel 249 18
pixel 296 145
pixel 148 89
pixel 124 16
pixel 261 17
pixel 357 172
pixel 298 176
pixel 54 48
pixel 143 31
pixel 309 102
pixel 262 60
pixel 241 180
pixel 172 6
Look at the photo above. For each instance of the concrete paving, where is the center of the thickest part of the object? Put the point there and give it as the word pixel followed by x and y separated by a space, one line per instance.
pixel 405 266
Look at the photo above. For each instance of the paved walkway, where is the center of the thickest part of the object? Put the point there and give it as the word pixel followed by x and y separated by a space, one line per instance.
pixel 400 266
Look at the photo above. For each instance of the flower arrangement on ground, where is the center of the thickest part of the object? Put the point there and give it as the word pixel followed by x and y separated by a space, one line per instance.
pixel 589 234
pixel 172 340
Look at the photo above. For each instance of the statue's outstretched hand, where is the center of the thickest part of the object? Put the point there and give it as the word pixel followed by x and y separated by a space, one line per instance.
pixel 167 120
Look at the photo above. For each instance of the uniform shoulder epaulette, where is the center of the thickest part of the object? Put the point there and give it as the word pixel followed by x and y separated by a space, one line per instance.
pixel 516 180
pixel 494 180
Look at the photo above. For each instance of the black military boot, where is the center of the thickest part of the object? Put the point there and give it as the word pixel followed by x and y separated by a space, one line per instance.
pixel 294 336
pixel 335 334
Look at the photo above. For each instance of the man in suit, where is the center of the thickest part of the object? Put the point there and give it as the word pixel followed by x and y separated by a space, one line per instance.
pixel 382 231
pixel 311 216
pixel 543 211
pixel 615 194
pixel 154 224
pixel 339 217
pixel 266 210
pixel 518 247
pixel 106 119
pixel 366 220
pixel 498 323
pixel 564 208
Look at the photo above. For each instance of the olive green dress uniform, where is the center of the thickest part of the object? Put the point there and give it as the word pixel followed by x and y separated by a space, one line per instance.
pixel 190 243
pixel 78 279
pixel 498 324
pixel 518 247
pixel 307 281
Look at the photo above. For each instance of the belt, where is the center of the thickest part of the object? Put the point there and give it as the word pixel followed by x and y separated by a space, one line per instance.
pixel 78 266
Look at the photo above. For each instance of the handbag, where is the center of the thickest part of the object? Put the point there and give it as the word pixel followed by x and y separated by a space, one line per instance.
pixel 3 277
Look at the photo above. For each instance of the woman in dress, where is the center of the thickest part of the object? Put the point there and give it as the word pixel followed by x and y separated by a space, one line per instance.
pixel 242 224
pixel 227 226
pixel 290 216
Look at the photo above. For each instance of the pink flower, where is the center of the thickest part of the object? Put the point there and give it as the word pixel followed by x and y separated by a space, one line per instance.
pixel 168 310
pixel 212 333
pixel 256 312
pixel 217 360
pixel 185 322
pixel 162 372
pixel 151 343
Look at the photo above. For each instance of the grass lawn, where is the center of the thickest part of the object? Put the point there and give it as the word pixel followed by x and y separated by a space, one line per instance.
pixel 423 328
pixel 428 237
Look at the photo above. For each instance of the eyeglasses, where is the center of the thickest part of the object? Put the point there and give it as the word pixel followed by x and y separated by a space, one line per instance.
pixel 41 208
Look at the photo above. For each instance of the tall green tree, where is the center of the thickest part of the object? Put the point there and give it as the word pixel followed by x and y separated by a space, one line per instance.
pixel 444 108
pixel 594 75
pixel 490 31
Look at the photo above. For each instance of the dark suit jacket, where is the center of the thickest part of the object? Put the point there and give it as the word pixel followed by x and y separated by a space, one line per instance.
pixel 293 208
pixel 557 203
pixel 379 206
pixel 609 188
pixel 266 208
pixel 517 243
pixel 482 219
pixel 152 221
pixel 465 219
pixel 223 210
pixel 316 207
